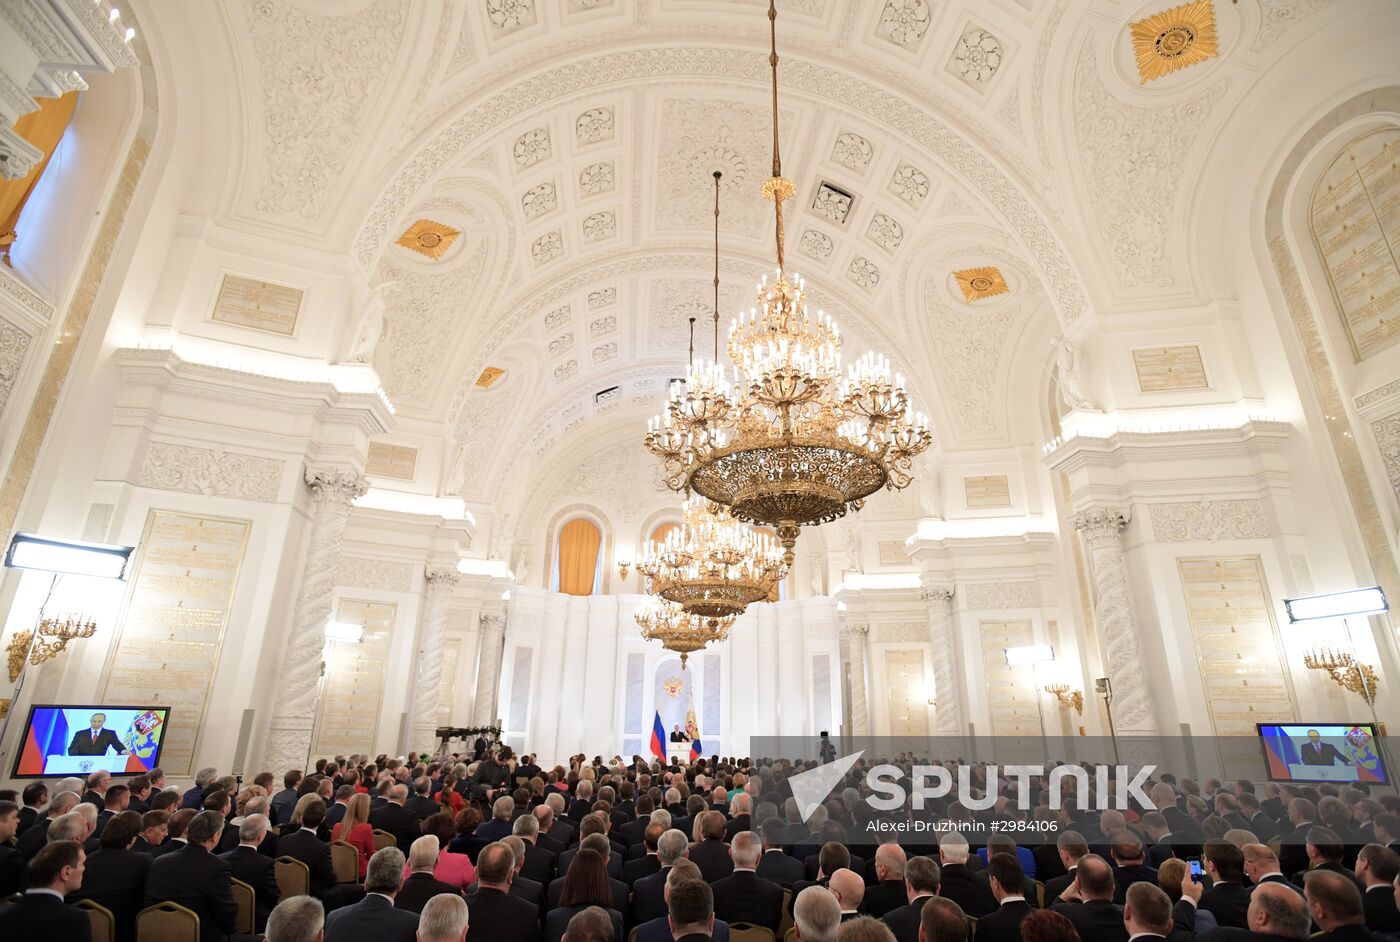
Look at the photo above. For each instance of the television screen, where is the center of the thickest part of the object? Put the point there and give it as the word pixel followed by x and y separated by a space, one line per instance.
pixel 1323 752
pixel 75 740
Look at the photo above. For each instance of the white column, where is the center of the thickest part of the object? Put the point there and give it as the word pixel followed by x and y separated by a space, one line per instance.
pixel 947 691
pixel 428 676
pixel 1132 706
pixel 860 711
pixel 294 710
pixel 488 672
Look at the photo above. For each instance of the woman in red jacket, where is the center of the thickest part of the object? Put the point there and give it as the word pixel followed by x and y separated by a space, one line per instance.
pixel 354 829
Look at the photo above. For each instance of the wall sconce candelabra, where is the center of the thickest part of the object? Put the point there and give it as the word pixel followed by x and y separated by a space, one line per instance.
pixel 54 635
pixel 623 567
pixel 1343 667
pixel 1069 699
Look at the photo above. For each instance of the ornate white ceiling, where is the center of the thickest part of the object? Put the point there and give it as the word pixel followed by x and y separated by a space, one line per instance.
pixel 572 142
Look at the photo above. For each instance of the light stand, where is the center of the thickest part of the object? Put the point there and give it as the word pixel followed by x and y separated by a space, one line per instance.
pixel 61 558
pixel 1104 688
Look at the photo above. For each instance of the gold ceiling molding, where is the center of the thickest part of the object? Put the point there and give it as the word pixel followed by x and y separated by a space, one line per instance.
pixel 489 376
pixel 429 238
pixel 1174 39
pixel 979 283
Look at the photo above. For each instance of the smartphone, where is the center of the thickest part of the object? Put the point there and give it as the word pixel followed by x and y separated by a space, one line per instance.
pixel 1196 871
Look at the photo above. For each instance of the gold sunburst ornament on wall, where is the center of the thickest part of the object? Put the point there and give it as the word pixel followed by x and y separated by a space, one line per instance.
pixel 429 238
pixel 979 283
pixel 1173 39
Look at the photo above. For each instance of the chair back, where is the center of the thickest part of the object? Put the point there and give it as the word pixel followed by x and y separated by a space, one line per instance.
pixel 345 861
pixel 247 901
pixel 167 922
pixel 1039 893
pixel 790 935
pixel 748 932
pixel 632 936
pixel 383 839
pixel 293 877
pixel 7 901
pixel 785 921
pixel 104 924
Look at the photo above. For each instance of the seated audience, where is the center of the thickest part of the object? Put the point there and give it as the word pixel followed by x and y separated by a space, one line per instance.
pixel 744 896
pixel 421 885
pixel 41 913
pixel 375 917
pixel 497 916
pixel 586 884
pixel 1006 878
pixel 816 916
pixel 445 918
pixel 115 875
pixel 248 864
pixel 197 880
pixel 942 920
pixel 12 864
pixel 922 880
pixel 296 919
pixel 354 829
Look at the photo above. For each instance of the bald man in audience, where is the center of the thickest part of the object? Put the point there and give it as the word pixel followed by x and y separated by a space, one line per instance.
pixel 849 889
pixel 1276 914
pixel 888 892
pixel 1088 903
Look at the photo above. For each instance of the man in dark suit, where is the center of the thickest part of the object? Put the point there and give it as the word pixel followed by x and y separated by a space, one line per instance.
pixel 155 827
pixel 13 872
pixel 96 740
pixel 1317 752
pixel 1264 827
pixel 1261 866
pixel 375 917
pixel 1147 914
pixel 116 799
pixel 1005 877
pixel 1377 867
pixel 194 795
pixel 594 826
pixel 197 880
pixel 1088 902
pixel 96 787
pixel 649 893
pixel 502 813
pixel 496 916
pixel 744 896
pixel 422 804
pixel 774 864
pixel 921 881
pixel 115 876
pixel 175 828
pixel 305 846
pixel 246 863
pixel 539 863
pixel 35 796
pixel 41 912
pixel 1228 898
pixel 285 801
pixel 1324 850
pixel 1276 914
pixel 398 820
pixel 888 891
pixel 421 885
pixel 336 811
pixel 969 889
pixel 1070 846
pixel 1128 865
pixel 739 819
pixel 1334 902
pixel 679 735
pixel 648 863
pixel 1302 818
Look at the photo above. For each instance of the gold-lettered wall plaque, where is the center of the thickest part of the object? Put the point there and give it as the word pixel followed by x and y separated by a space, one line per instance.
pixel 1238 650
pixel 167 647
pixel 258 305
pixel 1356 225
pixel 391 461
pixel 1162 369
pixel 904 692
pixel 1011 691
pixel 348 720
pixel 987 490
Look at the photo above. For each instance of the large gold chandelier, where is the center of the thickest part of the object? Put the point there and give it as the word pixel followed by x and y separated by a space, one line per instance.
pixel 712 566
pixel 678 630
pixel 790 442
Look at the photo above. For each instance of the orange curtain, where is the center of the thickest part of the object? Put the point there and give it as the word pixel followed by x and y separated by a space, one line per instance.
pixel 43 129
pixel 579 543
pixel 661 530
pixel 772 535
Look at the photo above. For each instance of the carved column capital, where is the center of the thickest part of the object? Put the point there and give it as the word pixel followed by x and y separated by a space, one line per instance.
pixel 336 485
pixel 858 630
pixel 1098 522
pixel 937 595
pixel 441 579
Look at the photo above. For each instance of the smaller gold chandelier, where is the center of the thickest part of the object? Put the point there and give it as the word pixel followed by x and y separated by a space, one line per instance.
pixel 1069 699
pixel 1343 667
pixel 54 635
pixel 712 566
pixel 678 630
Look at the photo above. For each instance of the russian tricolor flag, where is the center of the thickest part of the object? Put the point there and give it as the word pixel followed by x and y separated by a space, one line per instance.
pixel 658 738
pixel 695 747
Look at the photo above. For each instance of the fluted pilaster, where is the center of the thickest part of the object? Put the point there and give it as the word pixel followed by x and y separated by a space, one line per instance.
pixel 294 710
pixel 1132 706
pixel 860 707
pixel 488 675
pixel 427 683
pixel 947 690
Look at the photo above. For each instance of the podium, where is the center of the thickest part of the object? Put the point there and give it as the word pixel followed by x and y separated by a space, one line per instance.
pixel 1324 773
pixel 85 765
pixel 678 750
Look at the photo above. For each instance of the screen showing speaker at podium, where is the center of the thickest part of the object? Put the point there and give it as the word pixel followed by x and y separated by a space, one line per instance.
pixel 1323 752
pixel 64 740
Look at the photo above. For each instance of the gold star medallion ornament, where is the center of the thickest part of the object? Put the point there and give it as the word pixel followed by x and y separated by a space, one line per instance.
pixel 1173 39
pixel 429 238
pixel 979 283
